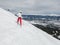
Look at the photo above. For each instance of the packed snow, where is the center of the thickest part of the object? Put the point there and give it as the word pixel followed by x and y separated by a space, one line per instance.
pixel 12 33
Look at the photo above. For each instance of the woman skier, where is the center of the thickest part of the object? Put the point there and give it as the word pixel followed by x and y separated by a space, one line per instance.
pixel 19 20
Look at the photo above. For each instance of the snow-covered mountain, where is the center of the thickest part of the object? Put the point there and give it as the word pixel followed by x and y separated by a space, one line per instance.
pixel 49 14
pixel 12 34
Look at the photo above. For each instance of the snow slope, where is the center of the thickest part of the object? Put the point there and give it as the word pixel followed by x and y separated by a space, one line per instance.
pixel 12 34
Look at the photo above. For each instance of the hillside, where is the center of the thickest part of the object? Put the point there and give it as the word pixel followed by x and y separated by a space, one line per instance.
pixel 12 33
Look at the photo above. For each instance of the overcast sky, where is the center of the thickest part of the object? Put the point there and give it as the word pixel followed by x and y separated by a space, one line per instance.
pixel 32 6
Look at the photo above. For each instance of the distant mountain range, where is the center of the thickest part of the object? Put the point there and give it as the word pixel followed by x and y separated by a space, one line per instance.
pixel 39 17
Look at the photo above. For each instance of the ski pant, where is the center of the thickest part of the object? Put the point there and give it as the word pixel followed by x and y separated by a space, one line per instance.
pixel 19 20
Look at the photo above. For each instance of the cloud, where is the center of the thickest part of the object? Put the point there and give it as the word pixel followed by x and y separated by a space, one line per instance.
pixel 32 6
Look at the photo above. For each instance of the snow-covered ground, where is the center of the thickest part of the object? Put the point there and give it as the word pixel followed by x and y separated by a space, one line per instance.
pixel 44 23
pixel 12 33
